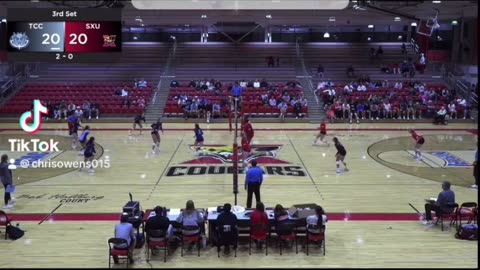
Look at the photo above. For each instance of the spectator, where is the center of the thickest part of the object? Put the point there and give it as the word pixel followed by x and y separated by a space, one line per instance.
pixel 385 69
pixel 303 102
pixel 126 102
pixel 283 109
pixel 404 49
pixel 141 102
pixel 442 205
pixel 361 88
pixel 218 85
pixel 422 63
pixel 297 109
pixel 174 84
pixel 243 83
pixel 124 92
pixel 440 118
pixel 404 69
pixel 256 84
pixel 86 109
pixel 374 111
pixel 272 102
pixel 227 228
pixel 270 61
pixel 379 51
pixel 320 70
pixel 142 83
pixel 56 111
pixel 387 109
pixel 216 110
pixel 158 222
pixel 191 219
pixel 452 110
pixel 350 71
pixel 71 108
pixel 396 68
pixel 398 85
pixel 192 84
pixel 95 110
pixel 79 113
pixel 345 110
pixel 417 109
pixel 124 230
pixel 263 83
pixel 259 217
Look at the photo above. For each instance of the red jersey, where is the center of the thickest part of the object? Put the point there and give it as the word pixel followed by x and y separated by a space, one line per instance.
pixel 416 137
pixel 246 146
pixel 248 130
pixel 323 128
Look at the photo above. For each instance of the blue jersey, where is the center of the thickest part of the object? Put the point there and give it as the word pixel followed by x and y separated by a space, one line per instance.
pixel 84 135
pixel 199 135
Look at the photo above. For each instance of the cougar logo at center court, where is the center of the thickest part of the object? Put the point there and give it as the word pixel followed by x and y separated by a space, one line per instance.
pixel 38 110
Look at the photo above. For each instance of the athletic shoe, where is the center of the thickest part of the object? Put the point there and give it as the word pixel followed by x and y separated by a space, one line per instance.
pixel 346 169
pixel 358 122
pixel 338 170
pixel 8 206
pixel 474 186
pixel 97 117
pixel 350 121
pixel 377 118
pixel 464 118
pixel 91 171
pixel 427 223
pixel 13 200
pixel 419 158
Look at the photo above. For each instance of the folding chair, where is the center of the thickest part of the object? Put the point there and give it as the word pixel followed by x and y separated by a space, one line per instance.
pixel 117 253
pixel 467 210
pixel 287 232
pixel 156 239
pixel 315 237
pixel 4 222
pixel 445 216
pixel 259 232
pixel 227 235
pixel 190 239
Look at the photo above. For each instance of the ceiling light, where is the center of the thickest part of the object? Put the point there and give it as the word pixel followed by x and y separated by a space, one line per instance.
pixel 268 16
pixel 143 24
pixel 135 38
pixel 454 22
pixel 397 19
pixel 4 20
pixel 204 16
pixel 332 19
pixel 326 35
pixel 369 38
pixel 138 19
pixel 370 26
pixel 437 2
pixel 399 37
pixel 414 24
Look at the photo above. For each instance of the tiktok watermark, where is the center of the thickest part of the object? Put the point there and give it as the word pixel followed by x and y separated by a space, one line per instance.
pixel 33 145
pixel 57 164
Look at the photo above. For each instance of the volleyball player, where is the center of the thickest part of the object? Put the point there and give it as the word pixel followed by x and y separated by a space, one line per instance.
pixel 340 155
pixel 198 136
pixel 156 136
pixel 89 154
pixel 419 141
pixel 246 150
pixel 248 130
pixel 83 139
pixel 138 121
pixel 321 134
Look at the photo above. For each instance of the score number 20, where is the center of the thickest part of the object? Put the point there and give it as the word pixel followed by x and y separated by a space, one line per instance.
pixel 55 39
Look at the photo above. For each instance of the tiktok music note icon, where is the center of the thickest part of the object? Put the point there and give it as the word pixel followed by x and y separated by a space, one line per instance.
pixel 38 110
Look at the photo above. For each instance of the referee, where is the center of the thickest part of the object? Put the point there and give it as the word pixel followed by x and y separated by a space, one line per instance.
pixel 253 181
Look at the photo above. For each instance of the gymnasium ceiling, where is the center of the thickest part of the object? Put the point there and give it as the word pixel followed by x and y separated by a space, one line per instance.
pixel 406 10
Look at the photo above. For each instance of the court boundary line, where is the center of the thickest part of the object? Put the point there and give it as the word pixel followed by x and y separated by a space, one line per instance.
pixel 265 129
pixel 305 167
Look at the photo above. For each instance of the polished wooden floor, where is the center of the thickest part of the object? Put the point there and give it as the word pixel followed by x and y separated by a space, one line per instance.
pixel 383 178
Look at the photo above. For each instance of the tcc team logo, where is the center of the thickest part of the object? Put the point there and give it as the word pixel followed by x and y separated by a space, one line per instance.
pixel 38 110
pixel 19 40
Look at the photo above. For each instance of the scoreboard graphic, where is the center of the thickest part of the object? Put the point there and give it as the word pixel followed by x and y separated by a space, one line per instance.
pixel 54 35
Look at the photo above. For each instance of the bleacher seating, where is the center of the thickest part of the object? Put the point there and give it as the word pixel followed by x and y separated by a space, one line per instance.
pixel 100 93
pixel 251 103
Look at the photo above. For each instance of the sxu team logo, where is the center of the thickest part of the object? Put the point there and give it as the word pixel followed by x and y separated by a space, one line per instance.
pixel 38 110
